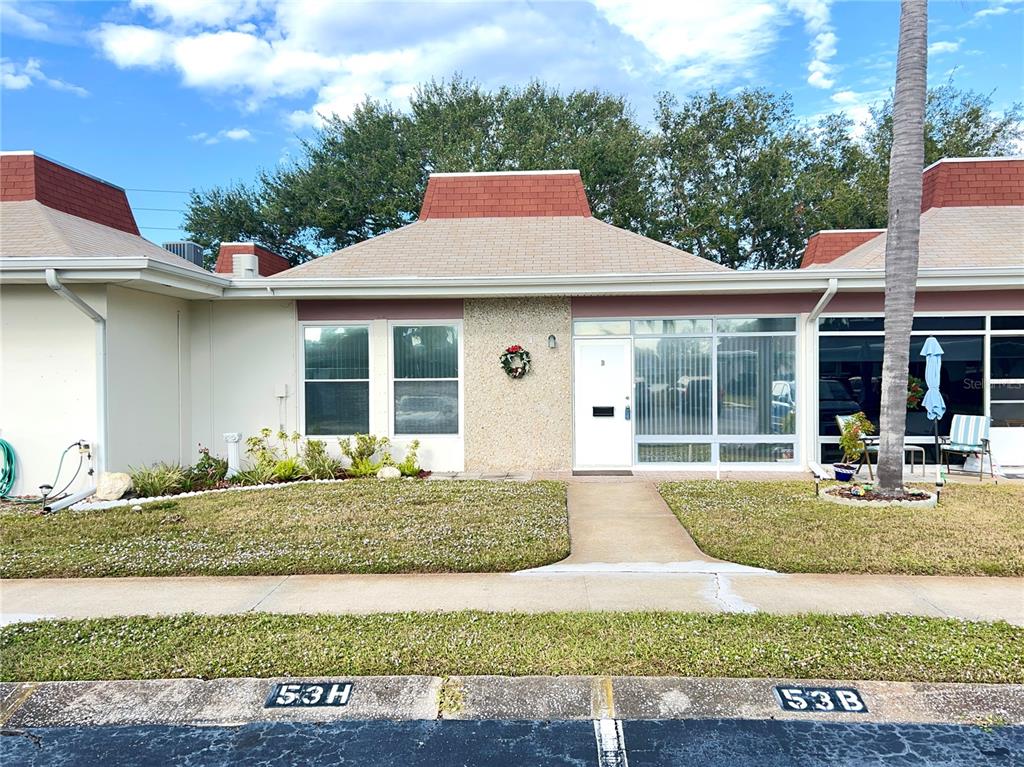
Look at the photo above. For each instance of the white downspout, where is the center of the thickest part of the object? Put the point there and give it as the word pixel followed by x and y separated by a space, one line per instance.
pixel 810 333
pixel 99 450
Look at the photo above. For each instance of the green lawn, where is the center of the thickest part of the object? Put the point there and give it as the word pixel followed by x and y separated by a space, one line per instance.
pixel 889 647
pixel 359 526
pixel 977 529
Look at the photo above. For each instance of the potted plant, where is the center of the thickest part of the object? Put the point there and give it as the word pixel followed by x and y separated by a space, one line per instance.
pixel 851 441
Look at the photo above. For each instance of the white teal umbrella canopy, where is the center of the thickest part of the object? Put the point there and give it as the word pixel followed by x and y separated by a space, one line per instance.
pixel 933 403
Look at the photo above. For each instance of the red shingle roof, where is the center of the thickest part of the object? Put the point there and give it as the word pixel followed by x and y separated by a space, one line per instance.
pixel 502 195
pixel 28 176
pixel 826 246
pixel 967 183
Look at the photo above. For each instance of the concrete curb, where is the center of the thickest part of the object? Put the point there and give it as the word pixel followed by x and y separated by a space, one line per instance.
pixel 237 701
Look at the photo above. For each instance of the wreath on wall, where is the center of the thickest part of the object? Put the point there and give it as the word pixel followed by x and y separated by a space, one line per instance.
pixel 516 361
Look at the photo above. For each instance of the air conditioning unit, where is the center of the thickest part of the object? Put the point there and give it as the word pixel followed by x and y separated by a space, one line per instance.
pixel 190 251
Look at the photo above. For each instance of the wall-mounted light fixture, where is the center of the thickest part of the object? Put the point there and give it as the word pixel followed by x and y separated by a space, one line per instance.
pixel 552 341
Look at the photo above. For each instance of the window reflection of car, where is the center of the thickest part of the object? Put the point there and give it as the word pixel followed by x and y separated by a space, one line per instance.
pixel 783 406
pixel 426 414
pixel 833 399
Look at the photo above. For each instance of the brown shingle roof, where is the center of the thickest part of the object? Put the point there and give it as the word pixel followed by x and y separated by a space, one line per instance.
pixel 953 238
pixel 516 246
pixel 30 229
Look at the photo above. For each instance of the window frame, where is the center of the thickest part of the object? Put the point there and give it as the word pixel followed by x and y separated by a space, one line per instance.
pixel 986 333
pixel 302 380
pixel 457 324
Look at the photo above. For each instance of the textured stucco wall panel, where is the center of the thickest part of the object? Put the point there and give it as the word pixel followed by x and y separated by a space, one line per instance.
pixel 526 423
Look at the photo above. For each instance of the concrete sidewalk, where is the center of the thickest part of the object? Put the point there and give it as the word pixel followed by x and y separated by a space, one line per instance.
pixel 966 598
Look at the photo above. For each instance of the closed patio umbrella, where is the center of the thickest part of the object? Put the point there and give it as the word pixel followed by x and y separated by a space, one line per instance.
pixel 934 405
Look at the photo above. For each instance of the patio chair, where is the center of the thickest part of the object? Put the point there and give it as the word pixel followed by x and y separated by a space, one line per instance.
pixel 868 443
pixel 968 434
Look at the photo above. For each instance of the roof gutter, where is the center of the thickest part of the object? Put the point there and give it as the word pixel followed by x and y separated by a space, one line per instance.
pixel 99 447
pixel 833 287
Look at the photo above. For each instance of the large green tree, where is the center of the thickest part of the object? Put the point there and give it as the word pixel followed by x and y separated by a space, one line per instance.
pixel 735 178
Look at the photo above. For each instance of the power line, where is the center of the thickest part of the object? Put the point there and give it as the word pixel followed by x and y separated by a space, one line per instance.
pixel 168 228
pixel 157 191
pixel 164 210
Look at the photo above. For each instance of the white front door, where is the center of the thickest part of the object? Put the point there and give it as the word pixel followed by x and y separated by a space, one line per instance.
pixel 603 384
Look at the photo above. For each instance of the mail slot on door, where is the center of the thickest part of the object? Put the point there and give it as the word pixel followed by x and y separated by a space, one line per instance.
pixel 604 412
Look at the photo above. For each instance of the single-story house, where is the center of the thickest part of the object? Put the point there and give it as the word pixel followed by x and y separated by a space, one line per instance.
pixel 643 356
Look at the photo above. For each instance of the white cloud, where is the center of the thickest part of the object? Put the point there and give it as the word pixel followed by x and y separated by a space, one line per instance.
pixel 709 41
pixel 187 13
pixel 16 77
pixel 817 17
pixel 228 134
pixel 943 46
pixel 129 45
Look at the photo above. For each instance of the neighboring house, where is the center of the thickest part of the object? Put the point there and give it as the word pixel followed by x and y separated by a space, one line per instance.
pixel 644 356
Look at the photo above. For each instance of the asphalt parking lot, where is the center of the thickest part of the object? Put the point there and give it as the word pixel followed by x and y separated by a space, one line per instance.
pixel 494 743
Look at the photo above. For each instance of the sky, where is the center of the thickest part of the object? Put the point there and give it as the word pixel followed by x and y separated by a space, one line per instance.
pixel 164 96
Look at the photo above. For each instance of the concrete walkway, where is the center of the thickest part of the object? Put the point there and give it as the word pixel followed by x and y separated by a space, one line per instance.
pixel 627 527
pixel 628 553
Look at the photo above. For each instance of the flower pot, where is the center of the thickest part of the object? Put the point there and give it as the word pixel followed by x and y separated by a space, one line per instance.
pixel 843 471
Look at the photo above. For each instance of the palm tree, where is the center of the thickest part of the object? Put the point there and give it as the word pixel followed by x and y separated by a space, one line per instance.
pixel 904 229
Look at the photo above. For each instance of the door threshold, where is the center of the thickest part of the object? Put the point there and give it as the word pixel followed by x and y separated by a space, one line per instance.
pixel 602 472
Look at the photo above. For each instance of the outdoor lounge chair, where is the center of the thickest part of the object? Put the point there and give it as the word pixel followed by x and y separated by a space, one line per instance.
pixel 968 434
pixel 868 443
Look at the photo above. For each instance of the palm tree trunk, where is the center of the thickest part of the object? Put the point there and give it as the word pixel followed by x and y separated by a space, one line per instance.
pixel 901 246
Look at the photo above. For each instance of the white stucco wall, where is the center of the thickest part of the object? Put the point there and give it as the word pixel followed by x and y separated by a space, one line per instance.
pixel 47 380
pixel 147 379
pixel 242 354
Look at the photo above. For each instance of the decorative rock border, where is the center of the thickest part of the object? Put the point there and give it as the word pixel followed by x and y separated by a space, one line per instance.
pixel 102 505
pixel 924 503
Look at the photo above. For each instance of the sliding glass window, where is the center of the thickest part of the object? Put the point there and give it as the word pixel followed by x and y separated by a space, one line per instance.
pixel 712 390
pixel 336 380
pixel 426 379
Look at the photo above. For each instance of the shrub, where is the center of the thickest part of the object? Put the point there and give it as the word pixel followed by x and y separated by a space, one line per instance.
pixel 261 449
pixel 409 466
pixel 158 479
pixel 258 474
pixel 208 472
pixel 854 430
pixel 288 470
pixel 360 450
pixel 318 462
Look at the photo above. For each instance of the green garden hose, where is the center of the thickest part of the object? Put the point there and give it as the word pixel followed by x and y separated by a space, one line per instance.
pixel 6 469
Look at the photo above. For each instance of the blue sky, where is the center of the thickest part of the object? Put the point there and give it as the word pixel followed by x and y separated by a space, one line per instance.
pixel 175 94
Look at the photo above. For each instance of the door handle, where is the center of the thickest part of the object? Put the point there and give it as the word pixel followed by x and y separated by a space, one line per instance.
pixel 627 411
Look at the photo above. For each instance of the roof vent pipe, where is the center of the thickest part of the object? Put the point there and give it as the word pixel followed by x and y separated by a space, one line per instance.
pixel 245 266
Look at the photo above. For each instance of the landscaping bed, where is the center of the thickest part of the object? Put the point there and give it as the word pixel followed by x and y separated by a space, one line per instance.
pixel 891 647
pixel 358 526
pixel 976 529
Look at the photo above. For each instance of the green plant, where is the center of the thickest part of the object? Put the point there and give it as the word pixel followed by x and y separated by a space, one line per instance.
pixel 208 472
pixel 360 450
pixel 318 462
pixel 289 470
pixel 855 428
pixel 409 465
pixel 261 449
pixel 257 474
pixel 158 479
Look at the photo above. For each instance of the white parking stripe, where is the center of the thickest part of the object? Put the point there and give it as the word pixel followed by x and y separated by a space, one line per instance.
pixel 611 746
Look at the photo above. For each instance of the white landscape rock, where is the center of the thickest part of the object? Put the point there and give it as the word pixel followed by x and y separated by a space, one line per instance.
pixel 112 485
pixel 389 472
